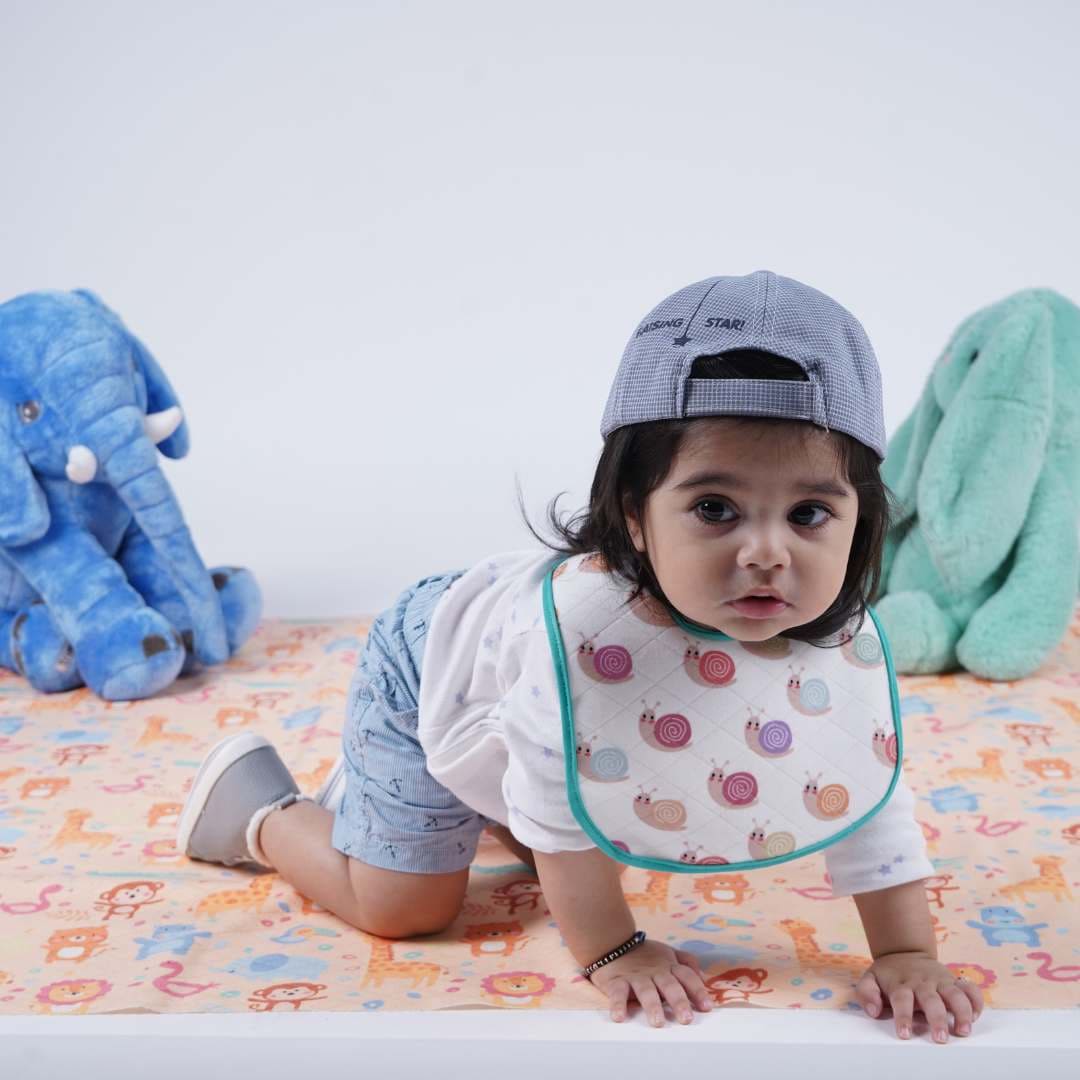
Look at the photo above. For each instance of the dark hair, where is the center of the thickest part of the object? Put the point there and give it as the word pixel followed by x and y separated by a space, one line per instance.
pixel 636 458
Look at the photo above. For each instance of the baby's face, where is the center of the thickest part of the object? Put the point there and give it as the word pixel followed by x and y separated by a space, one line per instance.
pixel 712 541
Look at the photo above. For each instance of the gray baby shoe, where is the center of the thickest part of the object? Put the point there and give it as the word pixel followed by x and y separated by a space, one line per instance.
pixel 239 777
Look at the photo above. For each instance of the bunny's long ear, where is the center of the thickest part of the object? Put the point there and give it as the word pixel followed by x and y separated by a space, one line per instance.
pixel 906 452
pixel 979 474
pixel 24 513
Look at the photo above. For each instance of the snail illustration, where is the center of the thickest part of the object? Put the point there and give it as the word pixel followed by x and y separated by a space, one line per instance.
pixel 770 846
pixel 885 747
pixel 810 698
pixel 606 765
pixel 828 802
pixel 608 664
pixel 649 610
pixel 690 856
pixel 774 648
pixel 670 732
pixel 666 814
pixel 862 649
pixel 736 790
pixel 715 668
pixel 771 739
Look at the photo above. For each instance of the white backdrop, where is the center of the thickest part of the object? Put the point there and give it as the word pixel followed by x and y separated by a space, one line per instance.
pixel 389 253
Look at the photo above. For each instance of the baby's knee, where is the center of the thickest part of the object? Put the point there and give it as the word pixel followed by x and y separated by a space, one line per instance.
pixel 397 925
pixel 397 930
pixel 394 904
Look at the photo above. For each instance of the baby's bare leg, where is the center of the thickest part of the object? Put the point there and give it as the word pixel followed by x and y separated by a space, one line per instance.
pixel 387 903
pixel 509 841
pixel 525 854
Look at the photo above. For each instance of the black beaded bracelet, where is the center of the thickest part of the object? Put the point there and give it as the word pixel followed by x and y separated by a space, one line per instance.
pixel 631 943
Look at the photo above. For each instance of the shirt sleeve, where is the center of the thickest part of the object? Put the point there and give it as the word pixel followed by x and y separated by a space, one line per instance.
pixel 889 849
pixel 534 783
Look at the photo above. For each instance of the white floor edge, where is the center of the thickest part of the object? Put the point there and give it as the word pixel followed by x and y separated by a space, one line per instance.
pixel 1039 1044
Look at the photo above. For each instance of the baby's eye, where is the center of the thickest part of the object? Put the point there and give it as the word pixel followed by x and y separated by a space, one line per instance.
pixel 809 509
pixel 710 511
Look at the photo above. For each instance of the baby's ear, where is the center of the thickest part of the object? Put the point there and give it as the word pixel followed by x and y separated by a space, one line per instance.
pixel 633 526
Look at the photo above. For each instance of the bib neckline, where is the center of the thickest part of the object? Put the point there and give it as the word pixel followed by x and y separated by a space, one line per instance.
pixel 696 628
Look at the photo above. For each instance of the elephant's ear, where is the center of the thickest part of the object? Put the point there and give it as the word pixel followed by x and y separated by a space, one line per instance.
pixel 94 299
pixel 160 395
pixel 977 480
pixel 24 513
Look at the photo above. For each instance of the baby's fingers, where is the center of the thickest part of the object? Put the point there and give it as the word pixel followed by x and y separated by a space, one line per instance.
pixel 960 1006
pixel 902 1001
pixel 647 995
pixel 933 1008
pixel 692 979
pixel 974 995
pixel 689 959
pixel 618 990
pixel 675 995
pixel 868 993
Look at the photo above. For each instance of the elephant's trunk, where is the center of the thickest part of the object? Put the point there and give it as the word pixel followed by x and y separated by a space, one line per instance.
pixel 128 461
pixel 82 464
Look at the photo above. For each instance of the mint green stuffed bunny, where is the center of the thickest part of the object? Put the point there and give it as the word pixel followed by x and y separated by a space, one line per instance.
pixel 981 570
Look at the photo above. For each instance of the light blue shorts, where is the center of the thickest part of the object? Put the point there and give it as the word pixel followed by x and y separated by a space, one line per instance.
pixel 394 814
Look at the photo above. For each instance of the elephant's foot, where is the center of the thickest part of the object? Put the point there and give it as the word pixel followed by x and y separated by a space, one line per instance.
pixel 32 644
pixel 922 638
pixel 241 604
pixel 1001 645
pixel 133 657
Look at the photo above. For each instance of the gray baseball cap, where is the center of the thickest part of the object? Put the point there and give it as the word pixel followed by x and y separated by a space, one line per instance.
pixel 764 311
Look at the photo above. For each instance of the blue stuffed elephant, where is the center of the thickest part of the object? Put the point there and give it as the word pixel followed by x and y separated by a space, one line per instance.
pixel 981 569
pixel 100 581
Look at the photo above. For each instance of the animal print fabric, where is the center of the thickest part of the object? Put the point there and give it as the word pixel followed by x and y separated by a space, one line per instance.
pixel 99 914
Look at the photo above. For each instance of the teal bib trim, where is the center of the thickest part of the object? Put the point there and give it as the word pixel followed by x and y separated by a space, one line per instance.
pixel 696 630
pixel 558 655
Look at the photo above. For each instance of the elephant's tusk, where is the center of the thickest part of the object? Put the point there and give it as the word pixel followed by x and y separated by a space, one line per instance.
pixel 81 465
pixel 160 425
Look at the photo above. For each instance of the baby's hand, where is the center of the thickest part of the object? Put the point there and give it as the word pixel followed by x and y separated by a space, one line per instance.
pixel 911 978
pixel 649 970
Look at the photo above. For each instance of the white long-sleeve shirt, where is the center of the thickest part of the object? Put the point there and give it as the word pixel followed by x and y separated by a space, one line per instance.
pixel 491 727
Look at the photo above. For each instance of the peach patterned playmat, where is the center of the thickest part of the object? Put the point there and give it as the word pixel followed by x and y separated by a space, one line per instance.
pixel 99 914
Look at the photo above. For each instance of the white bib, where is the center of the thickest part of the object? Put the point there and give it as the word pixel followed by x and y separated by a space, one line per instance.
pixel 687 750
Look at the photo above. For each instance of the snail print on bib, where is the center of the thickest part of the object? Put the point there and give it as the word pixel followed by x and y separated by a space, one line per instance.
pixel 687 750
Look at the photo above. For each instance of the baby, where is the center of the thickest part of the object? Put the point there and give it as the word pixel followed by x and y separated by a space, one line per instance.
pixel 742 442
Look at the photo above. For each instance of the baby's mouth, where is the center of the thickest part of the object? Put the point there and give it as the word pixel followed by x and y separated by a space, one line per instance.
pixel 759 607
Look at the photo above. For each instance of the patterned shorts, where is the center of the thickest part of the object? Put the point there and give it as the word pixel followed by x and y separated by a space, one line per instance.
pixel 394 814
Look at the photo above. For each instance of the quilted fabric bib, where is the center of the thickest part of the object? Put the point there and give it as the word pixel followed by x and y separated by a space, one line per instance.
pixel 687 750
